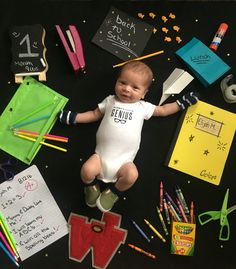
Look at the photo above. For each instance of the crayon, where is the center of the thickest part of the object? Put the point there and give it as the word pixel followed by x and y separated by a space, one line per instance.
pixel 140 230
pixel 161 196
pixel 181 199
pixel 142 251
pixel 192 213
pixel 173 212
pixel 154 230
pixel 166 211
pixel 168 197
pixel 182 211
pixel 162 220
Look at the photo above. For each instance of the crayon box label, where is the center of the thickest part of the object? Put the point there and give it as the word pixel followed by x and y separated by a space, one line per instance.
pixel 183 238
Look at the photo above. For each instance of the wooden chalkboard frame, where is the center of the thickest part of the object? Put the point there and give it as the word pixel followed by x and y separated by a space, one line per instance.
pixel 28 51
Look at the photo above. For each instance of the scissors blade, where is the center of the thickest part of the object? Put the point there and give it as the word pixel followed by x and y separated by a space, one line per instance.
pixel 224 211
pixel 231 209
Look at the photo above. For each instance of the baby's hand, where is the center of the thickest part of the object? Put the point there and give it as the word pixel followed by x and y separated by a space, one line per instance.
pixel 187 100
pixel 67 117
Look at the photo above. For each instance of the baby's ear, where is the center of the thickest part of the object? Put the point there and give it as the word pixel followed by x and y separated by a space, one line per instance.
pixel 144 94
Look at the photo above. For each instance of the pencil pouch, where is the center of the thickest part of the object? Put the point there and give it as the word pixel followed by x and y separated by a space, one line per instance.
pixel 31 100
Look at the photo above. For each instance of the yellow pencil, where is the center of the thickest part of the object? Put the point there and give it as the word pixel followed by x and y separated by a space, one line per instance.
pixel 154 230
pixel 41 142
pixel 140 58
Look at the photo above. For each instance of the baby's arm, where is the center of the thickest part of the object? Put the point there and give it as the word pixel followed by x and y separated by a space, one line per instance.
pixel 166 109
pixel 180 104
pixel 69 117
pixel 88 116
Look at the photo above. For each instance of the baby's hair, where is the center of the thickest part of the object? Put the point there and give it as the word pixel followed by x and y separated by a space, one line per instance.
pixel 140 67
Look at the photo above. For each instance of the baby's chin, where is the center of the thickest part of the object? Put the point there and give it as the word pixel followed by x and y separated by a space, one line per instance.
pixel 126 99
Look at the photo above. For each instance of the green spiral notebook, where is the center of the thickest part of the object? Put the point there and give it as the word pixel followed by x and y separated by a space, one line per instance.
pixel 32 100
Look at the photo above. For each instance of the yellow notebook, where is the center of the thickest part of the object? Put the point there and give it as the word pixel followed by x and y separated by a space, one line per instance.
pixel 202 142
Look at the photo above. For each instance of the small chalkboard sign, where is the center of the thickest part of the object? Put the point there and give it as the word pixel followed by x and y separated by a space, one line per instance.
pixel 28 51
pixel 122 35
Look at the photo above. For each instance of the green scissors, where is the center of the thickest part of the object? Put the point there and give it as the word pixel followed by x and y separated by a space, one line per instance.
pixel 221 215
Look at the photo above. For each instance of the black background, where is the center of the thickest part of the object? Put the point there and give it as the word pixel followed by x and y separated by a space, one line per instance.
pixel 62 171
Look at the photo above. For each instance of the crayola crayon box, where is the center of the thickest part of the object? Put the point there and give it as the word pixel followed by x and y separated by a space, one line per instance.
pixel 183 238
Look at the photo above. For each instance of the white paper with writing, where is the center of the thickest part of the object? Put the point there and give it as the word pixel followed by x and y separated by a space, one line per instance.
pixel 31 212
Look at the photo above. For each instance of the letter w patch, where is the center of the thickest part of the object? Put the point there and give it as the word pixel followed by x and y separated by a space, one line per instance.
pixel 103 238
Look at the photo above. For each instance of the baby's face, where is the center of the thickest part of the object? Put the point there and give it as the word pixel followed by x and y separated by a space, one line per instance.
pixel 131 86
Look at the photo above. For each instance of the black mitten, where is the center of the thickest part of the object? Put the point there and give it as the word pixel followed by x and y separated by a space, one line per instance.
pixel 67 117
pixel 187 100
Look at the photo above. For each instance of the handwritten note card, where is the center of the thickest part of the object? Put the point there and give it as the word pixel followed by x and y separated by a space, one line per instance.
pixel 31 212
pixel 123 35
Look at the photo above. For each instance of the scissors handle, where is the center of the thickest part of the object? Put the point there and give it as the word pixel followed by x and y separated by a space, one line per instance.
pixel 224 231
pixel 208 216
pixel 8 175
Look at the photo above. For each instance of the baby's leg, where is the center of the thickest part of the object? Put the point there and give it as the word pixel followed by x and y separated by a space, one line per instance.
pixel 90 169
pixel 126 176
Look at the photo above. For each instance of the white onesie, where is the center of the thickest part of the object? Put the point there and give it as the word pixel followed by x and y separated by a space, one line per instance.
pixel 119 134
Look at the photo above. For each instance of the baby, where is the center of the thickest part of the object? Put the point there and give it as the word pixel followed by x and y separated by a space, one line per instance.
pixel 119 134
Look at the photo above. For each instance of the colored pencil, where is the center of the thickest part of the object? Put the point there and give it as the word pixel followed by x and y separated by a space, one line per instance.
pixel 8 246
pixel 7 233
pixel 42 107
pixel 140 58
pixel 41 142
pixel 36 134
pixel 8 254
pixel 31 121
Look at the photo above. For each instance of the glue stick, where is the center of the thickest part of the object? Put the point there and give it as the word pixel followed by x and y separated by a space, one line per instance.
pixel 219 36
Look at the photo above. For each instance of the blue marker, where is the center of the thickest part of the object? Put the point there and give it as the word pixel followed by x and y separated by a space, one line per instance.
pixel 141 231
